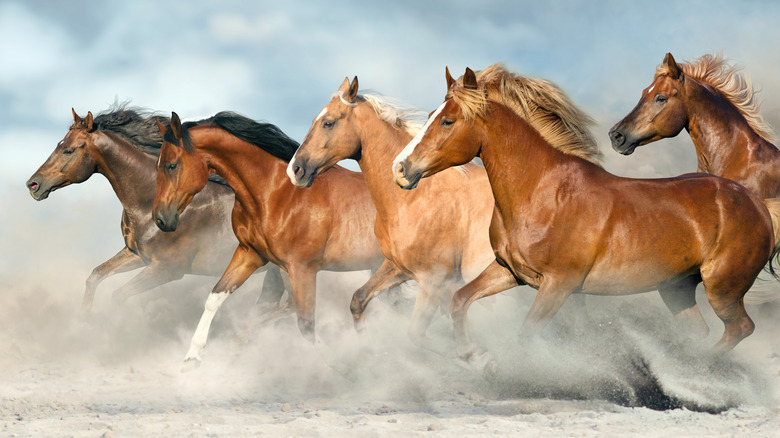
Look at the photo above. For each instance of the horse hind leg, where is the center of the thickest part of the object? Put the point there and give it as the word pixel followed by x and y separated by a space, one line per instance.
pixel 725 292
pixel 680 298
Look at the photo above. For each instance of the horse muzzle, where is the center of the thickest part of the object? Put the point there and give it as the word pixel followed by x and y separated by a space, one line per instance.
pixel 38 190
pixel 166 220
pixel 300 174
pixel 621 143
pixel 405 178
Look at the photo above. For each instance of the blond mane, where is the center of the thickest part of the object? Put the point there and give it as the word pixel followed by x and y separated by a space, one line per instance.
pixel 406 117
pixel 728 80
pixel 543 104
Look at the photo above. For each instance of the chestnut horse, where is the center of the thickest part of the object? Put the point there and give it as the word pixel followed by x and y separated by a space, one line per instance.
pixel 716 104
pixel 328 227
pixel 123 144
pixel 437 236
pixel 566 226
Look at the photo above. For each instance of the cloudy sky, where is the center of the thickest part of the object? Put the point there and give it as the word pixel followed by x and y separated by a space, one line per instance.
pixel 280 61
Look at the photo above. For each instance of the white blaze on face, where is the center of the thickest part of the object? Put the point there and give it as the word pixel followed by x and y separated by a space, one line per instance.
pixel 290 173
pixel 650 89
pixel 409 149
pixel 322 113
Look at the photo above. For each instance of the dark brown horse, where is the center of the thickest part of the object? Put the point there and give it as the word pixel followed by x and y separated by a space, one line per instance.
pixel 327 227
pixel 123 144
pixel 437 236
pixel 716 104
pixel 565 226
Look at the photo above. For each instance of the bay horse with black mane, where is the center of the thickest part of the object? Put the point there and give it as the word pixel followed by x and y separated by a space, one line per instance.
pixel 122 144
pixel 437 236
pixel 327 227
pixel 566 226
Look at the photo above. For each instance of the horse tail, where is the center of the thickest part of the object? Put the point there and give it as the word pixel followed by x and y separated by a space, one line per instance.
pixel 773 205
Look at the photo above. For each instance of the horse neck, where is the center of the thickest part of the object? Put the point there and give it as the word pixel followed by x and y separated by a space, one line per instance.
pixel 254 174
pixel 131 172
pixel 516 158
pixel 720 134
pixel 381 142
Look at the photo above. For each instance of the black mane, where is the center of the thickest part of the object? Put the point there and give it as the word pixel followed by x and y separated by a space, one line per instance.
pixel 263 135
pixel 136 125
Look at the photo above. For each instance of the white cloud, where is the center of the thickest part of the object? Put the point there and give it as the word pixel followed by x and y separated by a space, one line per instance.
pixel 230 28
pixel 30 47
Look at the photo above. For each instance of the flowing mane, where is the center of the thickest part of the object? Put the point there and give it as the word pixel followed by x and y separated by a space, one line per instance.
pixel 728 80
pixel 408 118
pixel 543 104
pixel 135 125
pixel 263 135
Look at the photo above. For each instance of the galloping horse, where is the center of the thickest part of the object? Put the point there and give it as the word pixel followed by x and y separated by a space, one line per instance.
pixel 718 108
pixel 329 227
pixel 716 104
pixel 123 144
pixel 437 236
pixel 564 225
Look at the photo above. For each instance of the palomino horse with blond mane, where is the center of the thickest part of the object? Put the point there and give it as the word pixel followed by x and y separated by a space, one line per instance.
pixel 437 236
pixel 328 227
pixel 716 104
pixel 123 144
pixel 566 226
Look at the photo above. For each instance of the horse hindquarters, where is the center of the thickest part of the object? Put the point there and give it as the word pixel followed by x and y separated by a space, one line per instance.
pixel 729 274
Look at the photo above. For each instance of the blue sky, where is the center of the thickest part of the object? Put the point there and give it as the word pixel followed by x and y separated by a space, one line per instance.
pixel 280 61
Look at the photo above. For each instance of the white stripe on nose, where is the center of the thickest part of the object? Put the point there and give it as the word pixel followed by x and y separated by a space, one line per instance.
pixel 409 149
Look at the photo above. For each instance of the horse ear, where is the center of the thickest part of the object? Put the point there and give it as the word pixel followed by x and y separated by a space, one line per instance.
pixel 161 127
pixel 76 119
pixel 344 86
pixel 88 121
pixel 470 79
pixel 671 66
pixel 353 89
pixel 176 125
pixel 449 77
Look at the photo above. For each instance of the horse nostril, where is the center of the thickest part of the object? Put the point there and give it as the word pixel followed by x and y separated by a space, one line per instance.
pixel 617 138
pixel 401 169
pixel 32 185
pixel 298 171
pixel 160 223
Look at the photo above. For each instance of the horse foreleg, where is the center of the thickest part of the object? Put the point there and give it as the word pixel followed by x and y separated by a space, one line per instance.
pixel 385 278
pixel 272 291
pixel 150 277
pixel 245 261
pixel 549 299
pixel 125 260
pixel 303 281
pixel 494 279
pixel 680 298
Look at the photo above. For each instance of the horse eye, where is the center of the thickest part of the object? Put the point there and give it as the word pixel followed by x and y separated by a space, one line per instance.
pixel 328 124
pixel 67 151
pixel 447 122
pixel 660 98
pixel 170 167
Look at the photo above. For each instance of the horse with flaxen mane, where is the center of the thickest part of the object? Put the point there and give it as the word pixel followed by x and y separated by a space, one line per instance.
pixel 566 226
pixel 437 236
pixel 122 144
pixel 327 227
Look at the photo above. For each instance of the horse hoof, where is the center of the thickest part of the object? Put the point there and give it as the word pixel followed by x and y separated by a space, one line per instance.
pixel 190 364
pixel 481 361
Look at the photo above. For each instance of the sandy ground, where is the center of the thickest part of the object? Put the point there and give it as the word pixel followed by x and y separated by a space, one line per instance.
pixel 116 372
pixel 616 369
